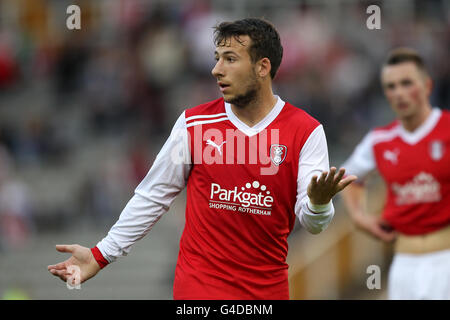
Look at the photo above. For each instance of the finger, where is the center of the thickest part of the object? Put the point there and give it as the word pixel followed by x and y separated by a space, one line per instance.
pixel 65 248
pixel 330 176
pixel 339 176
pixel 313 181
pixel 57 266
pixel 383 232
pixel 322 177
pixel 62 274
pixel 346 181
pixel 392 237
pixel 56 272
pixel 387 236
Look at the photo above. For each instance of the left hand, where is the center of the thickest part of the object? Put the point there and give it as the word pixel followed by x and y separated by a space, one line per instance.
pixel 322 189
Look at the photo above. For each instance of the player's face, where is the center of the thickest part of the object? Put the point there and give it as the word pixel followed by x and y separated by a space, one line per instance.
pixel 406 88
pixel 235 72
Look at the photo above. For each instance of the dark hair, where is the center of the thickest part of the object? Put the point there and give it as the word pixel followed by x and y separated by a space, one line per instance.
pixel 265 39
pixel 403 54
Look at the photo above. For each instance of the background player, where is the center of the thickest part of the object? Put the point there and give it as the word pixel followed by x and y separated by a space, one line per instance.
pixel 412 154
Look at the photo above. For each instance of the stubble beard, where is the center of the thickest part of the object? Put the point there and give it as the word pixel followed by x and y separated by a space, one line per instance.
pixel 248 97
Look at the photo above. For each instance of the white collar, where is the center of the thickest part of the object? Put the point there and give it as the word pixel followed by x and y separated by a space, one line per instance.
pixel 423 130
pixel 257 128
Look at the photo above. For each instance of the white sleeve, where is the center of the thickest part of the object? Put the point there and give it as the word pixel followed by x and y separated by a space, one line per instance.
pixel 312 161
pixel 362 160
pixel 153 196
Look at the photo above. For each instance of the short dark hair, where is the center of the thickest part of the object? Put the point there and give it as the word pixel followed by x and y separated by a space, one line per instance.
pixel 266 41
pixel 403 54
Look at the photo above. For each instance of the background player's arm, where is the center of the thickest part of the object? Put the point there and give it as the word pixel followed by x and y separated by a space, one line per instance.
pixel 152 198
pixel 354 197
pixel 354 200
pixel 361 162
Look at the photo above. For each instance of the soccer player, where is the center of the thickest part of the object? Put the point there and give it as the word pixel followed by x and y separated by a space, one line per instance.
pixel 252 164
pixel 412 154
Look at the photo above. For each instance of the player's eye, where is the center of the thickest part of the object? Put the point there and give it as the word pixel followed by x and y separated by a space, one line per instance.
pixel 390 86
pixel 406 83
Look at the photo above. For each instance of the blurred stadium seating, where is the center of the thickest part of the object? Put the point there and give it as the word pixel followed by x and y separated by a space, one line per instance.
pixel 84 113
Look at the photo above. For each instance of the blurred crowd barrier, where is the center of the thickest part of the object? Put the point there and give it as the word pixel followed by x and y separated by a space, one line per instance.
pixel 84 112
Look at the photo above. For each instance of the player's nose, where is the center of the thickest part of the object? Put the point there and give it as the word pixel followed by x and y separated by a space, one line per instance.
pixel 400 93
pixel 217 71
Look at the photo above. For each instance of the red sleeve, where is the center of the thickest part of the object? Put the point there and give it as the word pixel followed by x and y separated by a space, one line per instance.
pixel 102 262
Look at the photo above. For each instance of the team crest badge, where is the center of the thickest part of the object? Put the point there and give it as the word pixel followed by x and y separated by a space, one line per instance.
pixel 278 153
pixel 436 150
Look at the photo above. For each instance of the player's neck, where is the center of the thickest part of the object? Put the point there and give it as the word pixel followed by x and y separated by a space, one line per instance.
pixel 258 109
pixel 412 123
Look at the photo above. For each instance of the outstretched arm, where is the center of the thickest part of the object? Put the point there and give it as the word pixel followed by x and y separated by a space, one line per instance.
pixel 153 196
pixel 151 200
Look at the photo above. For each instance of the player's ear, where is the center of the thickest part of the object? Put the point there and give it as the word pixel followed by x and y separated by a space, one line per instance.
pixel 264 67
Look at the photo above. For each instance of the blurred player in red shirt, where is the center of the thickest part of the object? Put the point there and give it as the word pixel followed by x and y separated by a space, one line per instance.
pixel 412 154
pixel 252 165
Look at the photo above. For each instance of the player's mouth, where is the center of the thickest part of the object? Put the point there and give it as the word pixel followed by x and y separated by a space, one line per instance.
pixel 223 86
pixel 402 105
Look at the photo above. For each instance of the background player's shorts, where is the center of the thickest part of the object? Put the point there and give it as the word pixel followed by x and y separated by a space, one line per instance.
pixel 420 276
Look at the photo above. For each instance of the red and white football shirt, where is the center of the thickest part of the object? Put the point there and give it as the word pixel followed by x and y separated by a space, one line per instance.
pixel 416 169
pixel 245 187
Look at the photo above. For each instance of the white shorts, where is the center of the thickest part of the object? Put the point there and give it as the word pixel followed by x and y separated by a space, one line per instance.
pixel 420 276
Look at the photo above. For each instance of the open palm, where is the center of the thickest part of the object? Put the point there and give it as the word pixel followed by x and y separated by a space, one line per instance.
pixel 82 259
pixel 322 189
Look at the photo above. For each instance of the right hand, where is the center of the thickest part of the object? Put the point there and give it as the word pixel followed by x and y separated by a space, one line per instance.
pixel 81 257
pixel 376 227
